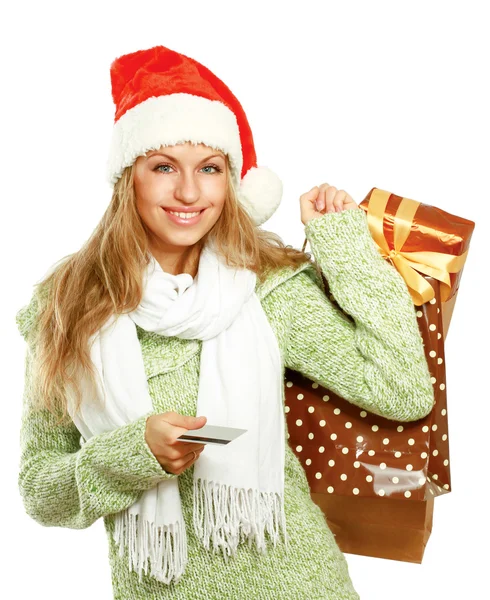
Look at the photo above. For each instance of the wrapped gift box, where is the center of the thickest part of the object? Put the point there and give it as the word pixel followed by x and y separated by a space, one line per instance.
pixel 376 480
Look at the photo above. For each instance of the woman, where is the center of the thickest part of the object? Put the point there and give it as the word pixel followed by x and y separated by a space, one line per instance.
pixel 161 317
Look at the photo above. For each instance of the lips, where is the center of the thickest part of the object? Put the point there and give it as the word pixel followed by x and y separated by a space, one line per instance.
pixel 184 221
pixel 183 211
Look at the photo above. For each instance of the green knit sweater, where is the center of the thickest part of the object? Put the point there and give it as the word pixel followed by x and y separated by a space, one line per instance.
pixel 374 360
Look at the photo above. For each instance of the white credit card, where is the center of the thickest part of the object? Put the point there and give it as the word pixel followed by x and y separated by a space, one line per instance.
pixel 212 434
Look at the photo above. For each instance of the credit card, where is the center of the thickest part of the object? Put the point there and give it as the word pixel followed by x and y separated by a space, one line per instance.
pixel 212 434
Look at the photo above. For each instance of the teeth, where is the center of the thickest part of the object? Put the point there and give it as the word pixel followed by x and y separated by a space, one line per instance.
pixel 184 215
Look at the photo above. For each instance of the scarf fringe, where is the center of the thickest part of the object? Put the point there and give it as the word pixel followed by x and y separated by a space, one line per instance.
pixel 227 515
pixel 164 546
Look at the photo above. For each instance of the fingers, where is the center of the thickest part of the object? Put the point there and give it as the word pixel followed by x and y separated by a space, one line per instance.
pixel 172 425
pixel 179 450
pixel 330 199
pixel 161 435
pixel 183 421
pixel 188 446
pixel 181 464
pixel 322 199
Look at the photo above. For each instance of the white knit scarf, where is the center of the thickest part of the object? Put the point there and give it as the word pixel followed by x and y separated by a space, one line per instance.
pixel 238 489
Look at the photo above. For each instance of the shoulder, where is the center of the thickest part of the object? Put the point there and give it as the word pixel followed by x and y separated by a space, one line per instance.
pixel 25 317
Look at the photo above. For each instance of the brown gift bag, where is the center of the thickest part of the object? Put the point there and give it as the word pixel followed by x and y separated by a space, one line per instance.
pixel 376 479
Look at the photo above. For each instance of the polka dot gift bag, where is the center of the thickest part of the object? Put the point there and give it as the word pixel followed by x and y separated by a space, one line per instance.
pixel 375 479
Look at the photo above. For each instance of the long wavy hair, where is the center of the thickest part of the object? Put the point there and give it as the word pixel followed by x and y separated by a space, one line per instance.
pixel 105 277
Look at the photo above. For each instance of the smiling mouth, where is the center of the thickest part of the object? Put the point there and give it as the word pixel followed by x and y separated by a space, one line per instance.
pixel 183 211
pixel 183 220
pixel 179 213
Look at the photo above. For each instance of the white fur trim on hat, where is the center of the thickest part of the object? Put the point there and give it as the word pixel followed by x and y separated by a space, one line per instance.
pixel 169 120
pixel 178 118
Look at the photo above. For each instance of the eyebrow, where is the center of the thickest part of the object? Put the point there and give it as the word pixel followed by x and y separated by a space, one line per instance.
pixel 177 161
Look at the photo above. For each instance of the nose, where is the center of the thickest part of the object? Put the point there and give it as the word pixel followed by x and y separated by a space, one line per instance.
pixel 186 189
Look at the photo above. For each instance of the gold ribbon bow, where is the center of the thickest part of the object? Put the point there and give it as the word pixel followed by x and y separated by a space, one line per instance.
pixel 435 264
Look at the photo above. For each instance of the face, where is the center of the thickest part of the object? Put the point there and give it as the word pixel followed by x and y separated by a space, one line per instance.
pixel 182 178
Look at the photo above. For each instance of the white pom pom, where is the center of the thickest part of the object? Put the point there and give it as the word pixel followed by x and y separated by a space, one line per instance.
pixel 260 193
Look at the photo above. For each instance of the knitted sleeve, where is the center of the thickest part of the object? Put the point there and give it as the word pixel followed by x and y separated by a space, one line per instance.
pixel 67 484
pixel 371 352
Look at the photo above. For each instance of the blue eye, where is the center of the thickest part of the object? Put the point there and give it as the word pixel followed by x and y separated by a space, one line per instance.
pixel 161 167
pixel 213 167
pixel 217 169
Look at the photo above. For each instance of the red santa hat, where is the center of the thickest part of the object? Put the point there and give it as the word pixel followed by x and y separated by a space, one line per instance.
pixel 164 98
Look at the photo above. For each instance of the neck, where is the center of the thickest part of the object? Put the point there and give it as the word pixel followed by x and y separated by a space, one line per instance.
pixel 186 262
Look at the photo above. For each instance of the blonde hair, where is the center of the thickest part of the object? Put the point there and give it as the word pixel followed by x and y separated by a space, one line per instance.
pixel 105 277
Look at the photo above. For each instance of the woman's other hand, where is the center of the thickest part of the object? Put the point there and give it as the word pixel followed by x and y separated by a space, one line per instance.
pixel 161 435
pixel 326 198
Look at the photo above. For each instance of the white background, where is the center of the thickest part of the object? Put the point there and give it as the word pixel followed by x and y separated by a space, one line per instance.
pixel 357 94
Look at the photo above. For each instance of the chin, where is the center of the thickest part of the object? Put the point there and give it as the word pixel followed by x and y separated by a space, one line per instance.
pixel 185 239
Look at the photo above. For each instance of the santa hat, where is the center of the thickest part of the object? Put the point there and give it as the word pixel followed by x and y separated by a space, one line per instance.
pixel 164 98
